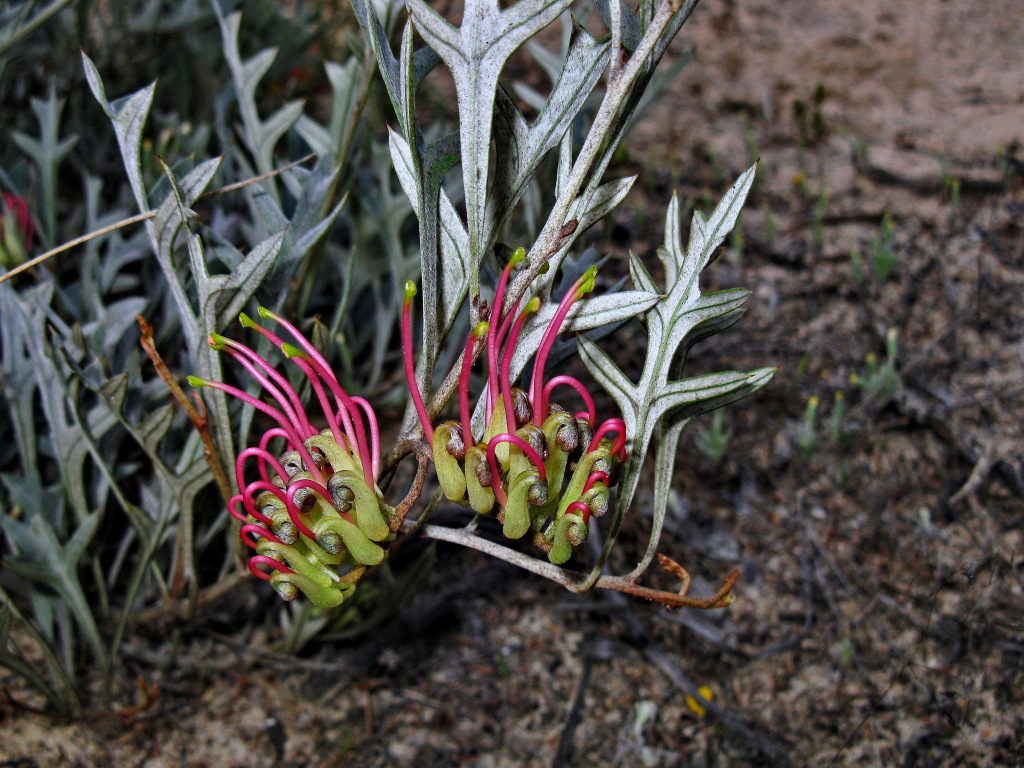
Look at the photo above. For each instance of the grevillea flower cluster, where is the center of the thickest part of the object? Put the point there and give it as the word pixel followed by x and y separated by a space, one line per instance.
pixel 315 506
pixel 534 465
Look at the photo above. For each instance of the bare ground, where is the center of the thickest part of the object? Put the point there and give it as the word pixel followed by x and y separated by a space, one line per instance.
pixel 879 613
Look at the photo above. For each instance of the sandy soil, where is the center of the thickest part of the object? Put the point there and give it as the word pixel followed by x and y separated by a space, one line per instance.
pixel 879 612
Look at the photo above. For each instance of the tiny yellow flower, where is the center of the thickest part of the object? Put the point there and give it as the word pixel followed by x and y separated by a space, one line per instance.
pixel 694 706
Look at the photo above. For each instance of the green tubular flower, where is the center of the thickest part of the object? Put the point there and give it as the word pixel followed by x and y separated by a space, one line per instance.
pixel 496 424
pixel 518 461
pixel 569 531
pixel 369 516
pixel 562 437
pixel 449 449
pixel 517 514
pixel 481 496
pixel 597 500
pixel 274 508
pixel 579 478
pixel 288 585
pixel 343 536
pixel 337 456
pixel 303 562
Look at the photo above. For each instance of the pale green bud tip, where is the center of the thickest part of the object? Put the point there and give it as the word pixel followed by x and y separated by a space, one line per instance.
pixel 246 321
pixel 588 280
pixel 197 382
pixel 532 305
pixel 481 330
pixel 518 256
pixel 410 290
pixel 291 350
pixel 217 341
pixel 265 313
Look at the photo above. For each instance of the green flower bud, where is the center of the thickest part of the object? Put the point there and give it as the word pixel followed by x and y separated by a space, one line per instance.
pixel 344 536
pixel 478 481
pixel 537 495
pixel 517 509
pixel 322 596
pixel 342 496
pixel 576 531
pixel 449 470
pixel 598 500
pixel 556 426
pixel 369 516
pixel 337 456
pixel 292 462
pixel 586 433
pixel 522 406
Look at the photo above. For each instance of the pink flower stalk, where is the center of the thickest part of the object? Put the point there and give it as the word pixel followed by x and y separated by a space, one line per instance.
pixel 293 436
pixel 237 499
pixel 492 461
pixel 254 487
pixel 410 366
pixel 590 414
pixel 293 510
pixel 538 396
pixel 618 426
pixel 506 361
pixel 270 379
pixel 313 364
pixel 276 565
pixel 371 417
pixel 257 530
pixel 497 330
pixel 579 506
pixel 264 457
pixel 478 332
pixel 596 477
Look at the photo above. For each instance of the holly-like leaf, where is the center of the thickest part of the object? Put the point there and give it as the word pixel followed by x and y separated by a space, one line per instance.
pixel 521 148
pixel 261 136
pixel 660 401
pixel 475 53
pixel 47 152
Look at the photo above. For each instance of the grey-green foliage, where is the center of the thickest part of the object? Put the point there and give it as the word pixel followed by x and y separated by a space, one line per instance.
pixel 106 450
pixel 656 408
pixel 261 135
pixel 452 253
pixel 47 152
